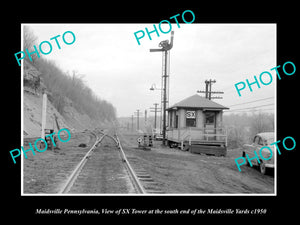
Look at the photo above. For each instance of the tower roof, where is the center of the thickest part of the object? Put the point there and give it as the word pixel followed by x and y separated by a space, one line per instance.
pixel 196 101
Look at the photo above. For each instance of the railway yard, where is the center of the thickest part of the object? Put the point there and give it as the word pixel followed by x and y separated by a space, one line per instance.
pixel 161 170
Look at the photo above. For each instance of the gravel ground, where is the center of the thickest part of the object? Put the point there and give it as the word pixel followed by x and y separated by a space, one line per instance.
pixel 104 172
pixel 183 172
pixel 46 171
pixel 175 171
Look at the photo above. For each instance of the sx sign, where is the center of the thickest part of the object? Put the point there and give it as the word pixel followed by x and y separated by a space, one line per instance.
pixel 190 114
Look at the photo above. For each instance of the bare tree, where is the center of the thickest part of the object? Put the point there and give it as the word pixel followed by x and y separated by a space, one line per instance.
pixel 65 86
pixel 29 40
pixel 262 122
pixel 241 128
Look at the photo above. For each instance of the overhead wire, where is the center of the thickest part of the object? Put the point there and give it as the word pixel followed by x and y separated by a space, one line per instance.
pixel 258 100
pixel 254 107
pixel 253 110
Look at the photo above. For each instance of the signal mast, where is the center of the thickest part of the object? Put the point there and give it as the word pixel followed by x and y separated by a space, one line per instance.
pixel 165 48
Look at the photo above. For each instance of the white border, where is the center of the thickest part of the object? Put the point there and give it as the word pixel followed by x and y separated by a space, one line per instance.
pixel 158 195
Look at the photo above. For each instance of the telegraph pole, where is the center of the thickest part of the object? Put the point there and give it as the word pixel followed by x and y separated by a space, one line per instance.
pixel 206 88
pixel 132 123
pixel 138 119
pixel 210 82
pixel 208 91
pixel 156 110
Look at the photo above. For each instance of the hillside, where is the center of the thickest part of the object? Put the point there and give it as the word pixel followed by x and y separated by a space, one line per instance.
pixel 67 115
pixel 32 117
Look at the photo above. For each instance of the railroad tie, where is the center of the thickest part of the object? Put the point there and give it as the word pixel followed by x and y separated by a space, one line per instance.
pixel 155 192
pixel 149 179
pixel 143 175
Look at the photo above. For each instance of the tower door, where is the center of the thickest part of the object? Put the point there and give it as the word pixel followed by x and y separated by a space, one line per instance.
pixel 210 124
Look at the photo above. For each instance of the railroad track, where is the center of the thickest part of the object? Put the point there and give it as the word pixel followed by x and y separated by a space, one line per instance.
pixel 145 182
pixel 104 169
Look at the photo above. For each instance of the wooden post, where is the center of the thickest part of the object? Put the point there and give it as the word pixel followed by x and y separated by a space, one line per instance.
pixel 138 120
pixel 44 114
pixel 132 123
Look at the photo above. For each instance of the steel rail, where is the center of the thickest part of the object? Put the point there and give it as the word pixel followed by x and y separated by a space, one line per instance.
pixel 69 183
pixel 135 179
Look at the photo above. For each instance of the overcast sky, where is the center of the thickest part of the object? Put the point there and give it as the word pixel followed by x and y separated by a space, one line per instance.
pixel 120 71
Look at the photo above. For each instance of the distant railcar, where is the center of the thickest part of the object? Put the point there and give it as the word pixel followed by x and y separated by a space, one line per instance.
pixel 195 124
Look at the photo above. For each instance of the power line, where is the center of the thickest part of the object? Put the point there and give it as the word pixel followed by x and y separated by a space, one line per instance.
pixel 251 101
pixel 243 111
pixel 249 107
pixel 252 107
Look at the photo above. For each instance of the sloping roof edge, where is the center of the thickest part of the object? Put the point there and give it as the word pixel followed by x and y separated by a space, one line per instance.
pixel 196 101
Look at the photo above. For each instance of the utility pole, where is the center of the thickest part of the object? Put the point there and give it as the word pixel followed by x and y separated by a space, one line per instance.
pixel 138 119
pixel 210 82
pixel 208 91
pixel 145 116
pixel 156 110
pixel 137 114
pixel 206 88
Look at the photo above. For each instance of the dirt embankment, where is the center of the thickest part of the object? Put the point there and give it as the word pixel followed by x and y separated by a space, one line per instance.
pixel 70 118
pixel 181 172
